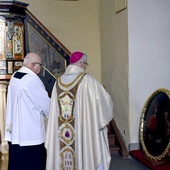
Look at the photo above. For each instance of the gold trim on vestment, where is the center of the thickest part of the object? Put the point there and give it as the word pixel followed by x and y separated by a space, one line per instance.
pixel 69 84
pixel 67 93
pixel 66 100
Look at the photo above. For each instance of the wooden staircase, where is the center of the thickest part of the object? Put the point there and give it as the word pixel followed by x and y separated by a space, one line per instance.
pixel 116 143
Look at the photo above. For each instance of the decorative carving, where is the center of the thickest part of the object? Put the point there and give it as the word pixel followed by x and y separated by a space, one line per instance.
pixel 3 91
pixel 52 59
pixel 18 41
pixel 2 37
pixel 9 36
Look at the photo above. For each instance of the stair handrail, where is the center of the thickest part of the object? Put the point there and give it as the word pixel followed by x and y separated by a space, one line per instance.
pixel 124 151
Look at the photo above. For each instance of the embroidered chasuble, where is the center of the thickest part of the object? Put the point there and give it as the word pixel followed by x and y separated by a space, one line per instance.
pixel 77 136
pixel 66 99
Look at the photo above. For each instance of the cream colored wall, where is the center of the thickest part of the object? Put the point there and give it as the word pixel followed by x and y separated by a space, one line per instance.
pixel 115 63
pixel 129 79
pixel 74 24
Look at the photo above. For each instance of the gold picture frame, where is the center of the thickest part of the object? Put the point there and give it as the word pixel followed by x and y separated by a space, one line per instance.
pixel 154 125
pixel 120 5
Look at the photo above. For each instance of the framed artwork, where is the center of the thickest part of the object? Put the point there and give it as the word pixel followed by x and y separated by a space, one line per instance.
pixel 120 5
pixel 9 39
pixel 9 67
pixel 17 64
pixel 2 38
pixel 3 67
pixel 155 125
pixel 55 56
pixel 54 63
pixel 18 41
pixel 14 40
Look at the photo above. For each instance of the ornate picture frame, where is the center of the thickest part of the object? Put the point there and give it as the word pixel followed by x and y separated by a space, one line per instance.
pixel 55 56
pixel 52 59
pixel 54 64
pixel 18 41
pixel 155 125
pixel 2 38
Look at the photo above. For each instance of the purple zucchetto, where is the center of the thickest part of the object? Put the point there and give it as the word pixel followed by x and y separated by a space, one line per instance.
pixel 76 56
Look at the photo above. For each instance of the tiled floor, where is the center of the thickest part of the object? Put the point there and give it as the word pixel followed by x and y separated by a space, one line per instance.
pixel 119 163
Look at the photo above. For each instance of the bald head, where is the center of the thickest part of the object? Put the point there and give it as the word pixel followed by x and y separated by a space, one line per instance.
pixel 31 58
pixel 33 62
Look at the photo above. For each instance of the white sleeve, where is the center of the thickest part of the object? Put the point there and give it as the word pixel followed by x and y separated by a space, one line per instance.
pixel 39 96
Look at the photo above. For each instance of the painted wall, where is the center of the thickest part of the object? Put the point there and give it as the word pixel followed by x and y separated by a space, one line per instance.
pixel 135 59
pixel 115 62
pixel 149 54
pixel 74 24
pixel 130 52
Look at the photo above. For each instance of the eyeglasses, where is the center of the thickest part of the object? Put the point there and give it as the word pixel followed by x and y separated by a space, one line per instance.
pixel 85 63
pixel 38 63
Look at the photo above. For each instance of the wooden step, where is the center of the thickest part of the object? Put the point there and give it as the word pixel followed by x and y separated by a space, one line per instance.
pixel 116 142
pixel 114 149
pixel 111 138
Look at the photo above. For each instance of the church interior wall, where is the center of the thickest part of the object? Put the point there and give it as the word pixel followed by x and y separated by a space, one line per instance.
pixel 126 50
pixel 149 42
pixel 74 24
pixel 134 47
pixel 115 64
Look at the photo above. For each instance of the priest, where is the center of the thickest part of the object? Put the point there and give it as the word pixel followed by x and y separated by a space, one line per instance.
pixel 81 109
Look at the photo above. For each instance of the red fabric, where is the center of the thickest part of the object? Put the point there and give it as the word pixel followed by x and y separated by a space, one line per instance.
pixel 140 156
pixel 152 123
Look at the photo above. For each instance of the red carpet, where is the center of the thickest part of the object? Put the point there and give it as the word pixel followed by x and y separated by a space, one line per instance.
pixel 139 155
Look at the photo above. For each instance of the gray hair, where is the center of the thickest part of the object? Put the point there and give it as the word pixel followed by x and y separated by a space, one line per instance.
pixel 30 58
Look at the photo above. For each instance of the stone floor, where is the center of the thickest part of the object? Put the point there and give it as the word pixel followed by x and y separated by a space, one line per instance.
pixel 119 163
